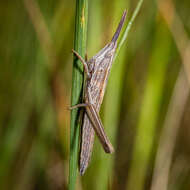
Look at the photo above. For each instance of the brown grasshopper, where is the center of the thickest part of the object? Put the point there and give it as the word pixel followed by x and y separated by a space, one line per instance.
pixel 97 70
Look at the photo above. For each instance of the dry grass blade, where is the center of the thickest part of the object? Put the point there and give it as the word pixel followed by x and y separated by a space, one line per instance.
pixel 177 103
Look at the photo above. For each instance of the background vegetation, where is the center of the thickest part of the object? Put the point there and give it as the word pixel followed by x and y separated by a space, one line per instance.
pixel 145 110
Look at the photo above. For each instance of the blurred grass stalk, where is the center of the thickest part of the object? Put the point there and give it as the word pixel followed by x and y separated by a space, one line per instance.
pixel 150 108
pixel 81 18
pixel 37 157
pixel 11 140
pixel 161 173
pixel 169 133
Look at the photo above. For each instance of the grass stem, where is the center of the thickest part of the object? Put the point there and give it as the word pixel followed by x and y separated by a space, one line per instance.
pixel 77 82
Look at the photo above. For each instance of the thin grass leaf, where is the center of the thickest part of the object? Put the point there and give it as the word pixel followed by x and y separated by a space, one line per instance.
pixel 77 81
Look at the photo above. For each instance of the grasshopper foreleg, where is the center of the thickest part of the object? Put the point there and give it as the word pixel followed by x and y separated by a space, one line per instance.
pixel 83 62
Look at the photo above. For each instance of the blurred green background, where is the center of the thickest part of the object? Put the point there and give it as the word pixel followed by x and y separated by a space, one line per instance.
pixel 146 109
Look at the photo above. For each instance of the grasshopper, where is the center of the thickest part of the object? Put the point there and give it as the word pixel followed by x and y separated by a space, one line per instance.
pixel 97 70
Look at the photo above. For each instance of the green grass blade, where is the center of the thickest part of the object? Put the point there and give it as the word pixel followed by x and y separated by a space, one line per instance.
pixel 77 81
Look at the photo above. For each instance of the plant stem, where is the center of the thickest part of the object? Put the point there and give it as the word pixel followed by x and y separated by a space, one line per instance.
pixel 77 82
